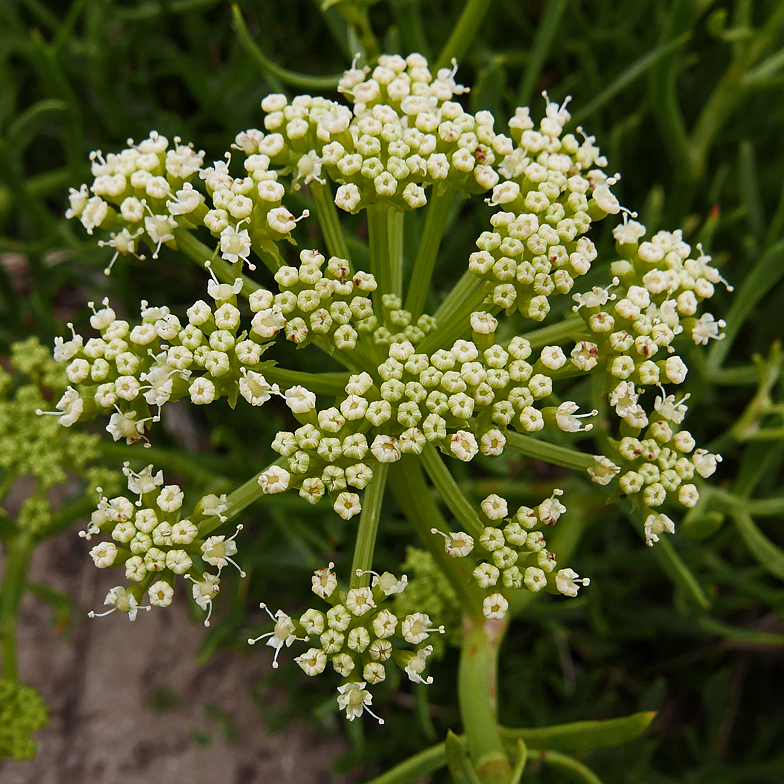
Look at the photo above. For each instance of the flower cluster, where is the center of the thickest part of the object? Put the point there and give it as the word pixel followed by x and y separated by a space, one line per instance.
pixel 515 556
pixel 404 134
pixel 654 297
pixel 549 197
pixel 655 460
pixel 462 400
pixel 311 303
pixel 128 369
pixel 357 636
pixel 159 544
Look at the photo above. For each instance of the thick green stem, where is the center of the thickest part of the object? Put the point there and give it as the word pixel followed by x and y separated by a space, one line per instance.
pixel 450 491
pixel 464 32
pixel 437 214
pixel 414 497
pixel 414 768
pixel 385 235
pixel 477 691
pixel 199 252
pixel 17 560
pixel 320 383
pixel 368 527
pixel 328 219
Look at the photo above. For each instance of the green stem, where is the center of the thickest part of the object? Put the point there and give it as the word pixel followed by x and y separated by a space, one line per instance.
pixel 320 383
pixel 272 70
pixel 358 18
pixel 450 491
pixel 328 219
pixel 238 500
pixel 385 235
pixel 463 33
pixel 199 252
pixel 413 495
pixel 452 316
pixel 477 690
pixel 368 527
pixel 437 213
pixel 555 333
pixel 17 560
pixel 549 453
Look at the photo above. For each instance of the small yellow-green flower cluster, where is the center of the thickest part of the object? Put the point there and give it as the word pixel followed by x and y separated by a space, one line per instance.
pixel 515 556
pixel 34 445
pixel 154 543
pixel 22 712
pixel 357 636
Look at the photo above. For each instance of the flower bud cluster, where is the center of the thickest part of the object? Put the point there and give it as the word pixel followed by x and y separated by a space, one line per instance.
pixel 332 302
pixel 357 636
pixel 153 543
pixel 404 134
pixel 128 369
pixel 22 712
pixel 549 198
pixel 654 297
pixel 139 194
pixel 514 556
pixel 656 460
pixel 462 400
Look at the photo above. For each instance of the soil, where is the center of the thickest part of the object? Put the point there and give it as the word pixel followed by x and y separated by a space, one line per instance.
pixel 129 703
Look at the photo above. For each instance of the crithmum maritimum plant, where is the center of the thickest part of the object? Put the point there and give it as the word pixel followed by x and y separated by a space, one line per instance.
pixel 419 390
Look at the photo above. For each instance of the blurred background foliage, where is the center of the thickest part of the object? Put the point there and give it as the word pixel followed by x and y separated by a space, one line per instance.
pixel 685 99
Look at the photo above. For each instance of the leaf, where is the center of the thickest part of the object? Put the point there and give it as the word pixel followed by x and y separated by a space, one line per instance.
pixel 770 557
pixel 582 735
pixel 457 760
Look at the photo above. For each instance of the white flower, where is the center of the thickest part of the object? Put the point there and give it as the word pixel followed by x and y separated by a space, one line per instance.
pixel 495 507
pixel 603 470
pixel 72 406
pixel 360 601
pixel 707 328
pixel 125 426
pixel 495 606
pixel 630 232
pixel 347 505
pixel 675 369
pixel 568 582
pixel 463 445
pixel 284 633
pixel 274 480
pixel 120 599
pixel 202 391
pixel 313 661
pixel 170 498
pixel 416 666
pixel 159 228
pixel 217 551
pixel 705 463
pixel 386 449
pixel 235 245
pixel 624 398
pixel 389 584
pixel 492 442
pixel 161 594
pixel 655 525
pixel 355 700
pixel 300 400
pixel 255 388
pixel 324 582
pixel 417 627
pixel 535 579
pixel 568 421
pixel 104 554
pixel 585 355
